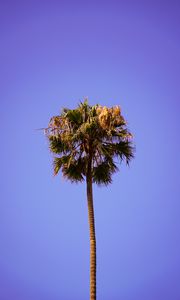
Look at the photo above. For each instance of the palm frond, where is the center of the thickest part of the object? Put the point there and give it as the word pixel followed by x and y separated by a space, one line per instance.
pixel 73 171
pixel 124 150
pixel 102 174
pixel 59 162
pixel 74 116
pixel 57 145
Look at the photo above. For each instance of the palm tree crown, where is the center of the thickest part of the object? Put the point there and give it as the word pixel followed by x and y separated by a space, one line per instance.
pixel 89 136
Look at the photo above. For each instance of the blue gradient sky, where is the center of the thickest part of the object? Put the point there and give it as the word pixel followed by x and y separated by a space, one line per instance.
pixel 118 52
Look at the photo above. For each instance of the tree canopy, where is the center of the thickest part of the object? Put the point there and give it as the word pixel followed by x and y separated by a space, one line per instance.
pixel 95 134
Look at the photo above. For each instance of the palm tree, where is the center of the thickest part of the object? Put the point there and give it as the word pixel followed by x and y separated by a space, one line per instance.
pixel 85 142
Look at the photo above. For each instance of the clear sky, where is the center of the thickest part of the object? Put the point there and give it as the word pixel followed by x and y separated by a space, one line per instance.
pixel 52 54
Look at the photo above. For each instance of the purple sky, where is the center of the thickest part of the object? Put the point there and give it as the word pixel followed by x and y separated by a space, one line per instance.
pixel 52 54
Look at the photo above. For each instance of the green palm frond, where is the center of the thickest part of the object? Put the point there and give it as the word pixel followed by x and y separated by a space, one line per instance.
pixel 57 145
pixel 59 162
pixel 124 150
pixel 74 116
pixel 73 171
pixel 120 134
pixel 102 174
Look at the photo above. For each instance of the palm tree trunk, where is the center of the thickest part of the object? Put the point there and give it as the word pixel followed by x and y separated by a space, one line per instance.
pixel 92 237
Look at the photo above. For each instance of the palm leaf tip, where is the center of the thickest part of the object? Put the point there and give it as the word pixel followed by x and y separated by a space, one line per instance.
pixel 59 162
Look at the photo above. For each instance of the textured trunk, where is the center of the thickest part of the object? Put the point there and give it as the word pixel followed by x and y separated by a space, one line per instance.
pixel 92 236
